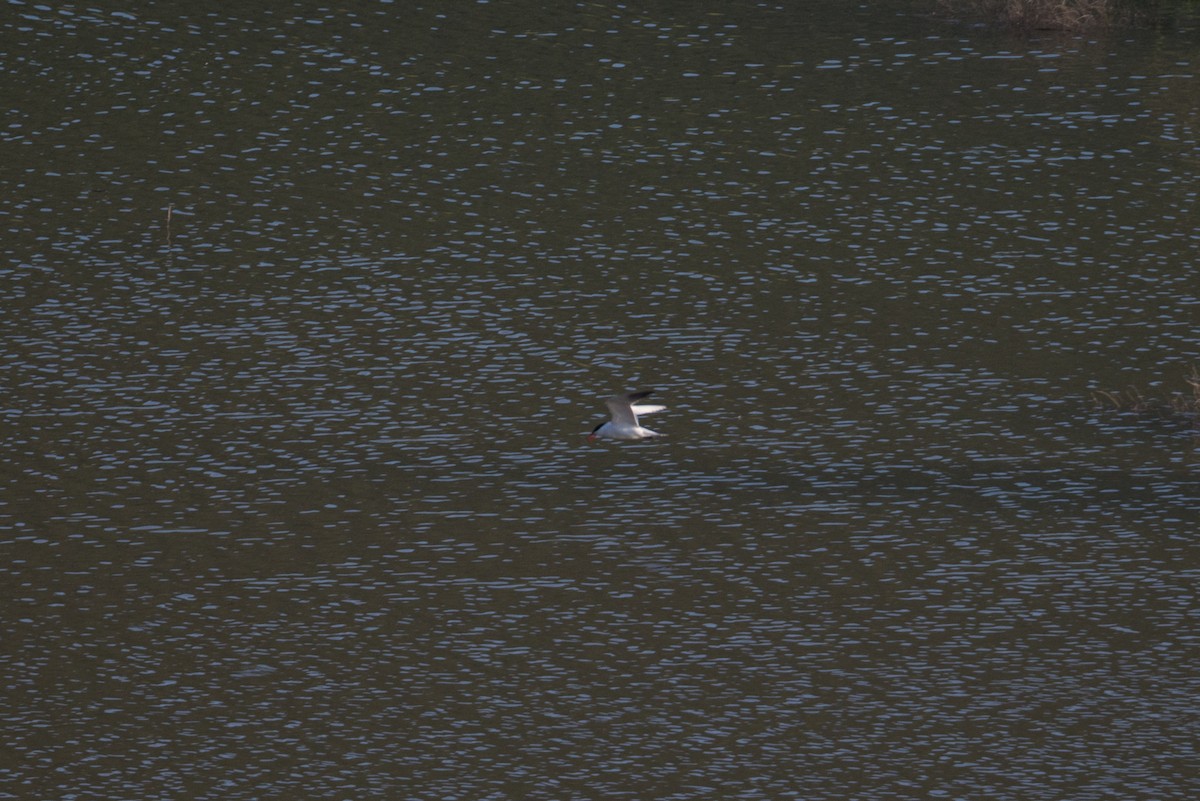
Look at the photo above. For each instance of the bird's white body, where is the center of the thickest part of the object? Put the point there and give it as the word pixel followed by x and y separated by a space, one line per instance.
pixel 624 423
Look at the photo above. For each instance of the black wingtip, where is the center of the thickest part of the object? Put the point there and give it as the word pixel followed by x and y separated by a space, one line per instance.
pixel 637 396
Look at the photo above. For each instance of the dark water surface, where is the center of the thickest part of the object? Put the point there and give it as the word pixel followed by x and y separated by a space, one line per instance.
pixel 296 502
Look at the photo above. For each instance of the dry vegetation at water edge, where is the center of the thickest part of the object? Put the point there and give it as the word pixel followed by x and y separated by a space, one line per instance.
pixel 1183 404
pixel 1065 15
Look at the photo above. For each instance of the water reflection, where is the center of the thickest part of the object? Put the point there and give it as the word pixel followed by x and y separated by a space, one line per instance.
pixel 301 498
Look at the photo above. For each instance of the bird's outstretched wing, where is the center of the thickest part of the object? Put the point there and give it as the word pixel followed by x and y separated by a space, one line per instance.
pixel 623 410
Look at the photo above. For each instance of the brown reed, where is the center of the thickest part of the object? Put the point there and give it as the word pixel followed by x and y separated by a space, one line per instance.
pixel 1057 15
pixel 1182 403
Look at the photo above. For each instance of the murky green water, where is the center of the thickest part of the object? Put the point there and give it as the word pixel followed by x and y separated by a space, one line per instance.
pixel 296 500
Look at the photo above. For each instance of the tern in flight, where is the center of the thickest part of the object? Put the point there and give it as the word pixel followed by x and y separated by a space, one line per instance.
pixel 624 423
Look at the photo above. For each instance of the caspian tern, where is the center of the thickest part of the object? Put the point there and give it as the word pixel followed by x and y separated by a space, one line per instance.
pixel 624 423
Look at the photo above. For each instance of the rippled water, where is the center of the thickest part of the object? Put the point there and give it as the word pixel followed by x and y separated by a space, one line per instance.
pixel 307 312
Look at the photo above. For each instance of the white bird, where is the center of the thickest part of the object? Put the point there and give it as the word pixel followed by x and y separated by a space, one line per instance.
pixel 624 422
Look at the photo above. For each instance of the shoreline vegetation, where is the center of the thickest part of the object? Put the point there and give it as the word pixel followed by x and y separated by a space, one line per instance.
pixel 1185 405
pixel 1062 15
